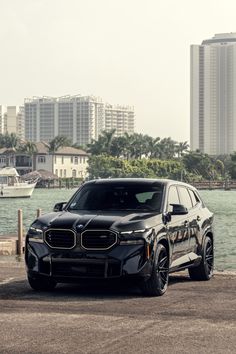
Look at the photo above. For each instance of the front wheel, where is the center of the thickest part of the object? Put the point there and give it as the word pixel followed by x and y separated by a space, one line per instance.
pixel 205 269
pixel 157 284
pixel 41 283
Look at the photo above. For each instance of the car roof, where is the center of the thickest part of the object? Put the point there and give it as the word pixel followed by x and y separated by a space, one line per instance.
pixel 163 181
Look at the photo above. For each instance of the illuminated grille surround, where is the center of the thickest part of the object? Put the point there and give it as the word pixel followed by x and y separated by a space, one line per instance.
pixel 49 238
pixel 102 236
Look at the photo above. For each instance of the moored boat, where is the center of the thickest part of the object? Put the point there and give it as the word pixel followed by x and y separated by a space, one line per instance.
pixel 11 185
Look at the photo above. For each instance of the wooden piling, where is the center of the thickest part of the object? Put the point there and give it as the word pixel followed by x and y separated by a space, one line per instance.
pixel 20 233
pixel 39 212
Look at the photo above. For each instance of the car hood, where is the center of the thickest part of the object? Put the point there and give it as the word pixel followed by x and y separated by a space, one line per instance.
pixel 118 221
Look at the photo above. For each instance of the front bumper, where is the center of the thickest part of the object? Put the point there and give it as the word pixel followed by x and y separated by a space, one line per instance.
pixel 73 265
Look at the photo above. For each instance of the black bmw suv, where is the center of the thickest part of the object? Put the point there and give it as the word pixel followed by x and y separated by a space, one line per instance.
pixel 113 228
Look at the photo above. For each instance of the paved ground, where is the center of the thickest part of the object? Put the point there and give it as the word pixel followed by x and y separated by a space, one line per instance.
pixel 192 317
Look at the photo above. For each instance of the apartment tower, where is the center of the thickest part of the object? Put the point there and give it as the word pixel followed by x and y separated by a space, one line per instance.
pixel 3 116
pixel 12 120
pixel 120 118
pixel 80 118
pixel 213 95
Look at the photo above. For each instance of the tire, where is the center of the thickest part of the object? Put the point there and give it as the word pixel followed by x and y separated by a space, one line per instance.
pixel 204 271
pixel 157 284
pixel 41 283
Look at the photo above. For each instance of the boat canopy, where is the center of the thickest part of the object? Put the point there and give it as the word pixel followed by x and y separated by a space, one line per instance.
pixel 8 171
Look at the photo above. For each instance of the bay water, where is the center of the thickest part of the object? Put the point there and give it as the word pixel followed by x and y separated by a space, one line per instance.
pixel 221 203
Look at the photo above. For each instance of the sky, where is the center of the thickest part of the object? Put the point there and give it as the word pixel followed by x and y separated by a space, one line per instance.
pixel 131 52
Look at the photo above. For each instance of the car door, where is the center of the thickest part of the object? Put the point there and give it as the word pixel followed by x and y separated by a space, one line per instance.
pixel 188 222
pixel 176 228
pixel 195 222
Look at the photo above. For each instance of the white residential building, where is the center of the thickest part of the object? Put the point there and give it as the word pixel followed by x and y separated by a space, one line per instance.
pixel 79 118
pixel 66 162
pixel 120 118
pixel 3 115
pixel 12 120
pixel 213 95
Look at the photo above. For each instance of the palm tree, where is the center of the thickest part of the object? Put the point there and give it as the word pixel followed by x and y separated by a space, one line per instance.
pixel 155 148
pixel 96 147
pixel 119 146
pixel 30 149
pixel 107 138
pixel 57 142
pixel 103 144
pixel 181 148
pixel 9 140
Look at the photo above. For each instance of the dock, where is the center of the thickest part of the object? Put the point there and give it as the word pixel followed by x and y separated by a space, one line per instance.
pixel 9 245
pixel 213 185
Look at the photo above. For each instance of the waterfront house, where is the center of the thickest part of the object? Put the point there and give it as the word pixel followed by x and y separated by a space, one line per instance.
pixel 7 157
pixel 66 162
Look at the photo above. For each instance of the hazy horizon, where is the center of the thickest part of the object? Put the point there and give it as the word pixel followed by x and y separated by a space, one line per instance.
pixel 130 52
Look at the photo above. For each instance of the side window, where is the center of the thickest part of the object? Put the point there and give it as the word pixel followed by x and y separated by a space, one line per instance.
pixel 173 198
pixel 194 198
pixel 185 197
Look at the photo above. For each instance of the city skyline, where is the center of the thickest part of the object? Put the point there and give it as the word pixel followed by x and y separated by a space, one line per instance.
pixel 79 118
pixel 132 52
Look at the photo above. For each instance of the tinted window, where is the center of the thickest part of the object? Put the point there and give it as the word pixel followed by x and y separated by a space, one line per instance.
pixel 194 198
pixel 109 196
pixel 185 197
pixel 173 198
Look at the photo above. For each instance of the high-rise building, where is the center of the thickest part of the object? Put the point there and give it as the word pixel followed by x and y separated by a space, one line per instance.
pixel 120 118
pixel 213 95
pixel 12 120
pixel 3 112
pixel 81 119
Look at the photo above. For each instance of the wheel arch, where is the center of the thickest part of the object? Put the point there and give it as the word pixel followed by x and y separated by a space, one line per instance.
pixel 165 243
pixel 210 235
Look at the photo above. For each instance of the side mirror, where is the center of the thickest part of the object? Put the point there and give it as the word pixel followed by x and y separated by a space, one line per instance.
pixel 179 209
pixel 166 217
pixel 59 206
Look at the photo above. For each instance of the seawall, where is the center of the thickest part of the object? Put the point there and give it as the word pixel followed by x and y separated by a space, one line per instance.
pixel 8 245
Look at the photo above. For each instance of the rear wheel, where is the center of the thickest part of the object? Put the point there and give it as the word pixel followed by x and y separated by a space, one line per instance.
pixel 41 283
pixel 205 269
pixel 157 284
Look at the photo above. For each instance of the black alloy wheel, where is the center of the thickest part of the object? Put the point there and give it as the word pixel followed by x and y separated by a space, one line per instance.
pixel 157 284
pixel 40 283
pixel 205 269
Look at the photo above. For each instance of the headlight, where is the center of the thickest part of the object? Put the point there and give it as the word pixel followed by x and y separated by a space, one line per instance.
pixel 133 232
pixel 134 237
pixel 35 234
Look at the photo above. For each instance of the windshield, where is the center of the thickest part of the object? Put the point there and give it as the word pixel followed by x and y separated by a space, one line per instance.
pixel 143 197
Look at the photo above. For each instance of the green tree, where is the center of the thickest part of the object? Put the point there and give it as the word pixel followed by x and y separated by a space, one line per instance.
pixel 29 148
pixel 103 166
pixel 181 148
pixel 57 142
pixel 9 140
pixel 232 166
pixel 103 144
pixel 200 164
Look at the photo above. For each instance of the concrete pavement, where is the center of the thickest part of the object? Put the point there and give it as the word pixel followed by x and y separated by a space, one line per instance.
pixel 192 317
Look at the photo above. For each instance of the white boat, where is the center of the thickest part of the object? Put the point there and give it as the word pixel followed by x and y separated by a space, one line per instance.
pixel 11 185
